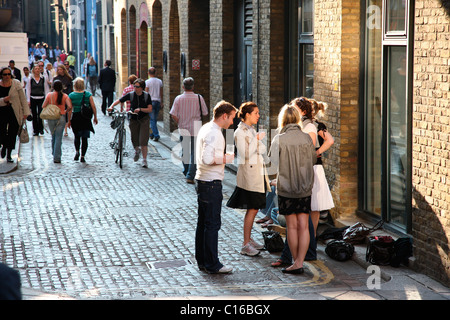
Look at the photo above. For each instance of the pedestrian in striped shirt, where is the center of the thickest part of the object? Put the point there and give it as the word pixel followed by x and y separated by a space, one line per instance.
pixel 187 111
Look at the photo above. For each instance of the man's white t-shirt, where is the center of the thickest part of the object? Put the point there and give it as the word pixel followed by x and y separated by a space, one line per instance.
pixel 154 86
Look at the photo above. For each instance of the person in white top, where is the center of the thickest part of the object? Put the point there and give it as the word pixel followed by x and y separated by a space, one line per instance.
pixel 154 87
pixel 211 161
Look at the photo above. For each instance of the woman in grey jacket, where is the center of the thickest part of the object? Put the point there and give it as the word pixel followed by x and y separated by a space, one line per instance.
pixel 293 153
pixel 252 181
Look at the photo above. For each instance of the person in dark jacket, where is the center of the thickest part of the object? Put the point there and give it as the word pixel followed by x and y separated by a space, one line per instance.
pixel 10 285
pixel 107 83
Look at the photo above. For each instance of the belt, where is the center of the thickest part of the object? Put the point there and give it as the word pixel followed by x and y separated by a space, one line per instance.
pixel 209 182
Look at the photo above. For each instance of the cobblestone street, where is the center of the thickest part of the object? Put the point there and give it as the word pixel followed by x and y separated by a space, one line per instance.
pixel 95 231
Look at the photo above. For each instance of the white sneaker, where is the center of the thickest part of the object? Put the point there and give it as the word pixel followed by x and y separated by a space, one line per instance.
pixel 249 250
pixel 225 269
pixel 256 245
pixel 144 164
pixel 137 154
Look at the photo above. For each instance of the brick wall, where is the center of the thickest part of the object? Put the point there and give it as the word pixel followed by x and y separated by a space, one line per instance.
pixel 336 82
pixel 431 140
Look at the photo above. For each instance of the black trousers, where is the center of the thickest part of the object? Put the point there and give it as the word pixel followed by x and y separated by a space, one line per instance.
pixel 107 100
pixel 8 127
pixel 36 109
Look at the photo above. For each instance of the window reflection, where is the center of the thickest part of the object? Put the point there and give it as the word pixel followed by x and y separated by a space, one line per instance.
pixel 373 113
pixel 396 16
pixel 397 131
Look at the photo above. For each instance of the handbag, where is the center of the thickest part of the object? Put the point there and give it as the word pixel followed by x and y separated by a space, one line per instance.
pixel 205 119
pixel 273 241
pixel 86 109
pixel 23 135
pixel 339 250
pixel 358 232
pixel 50 112
pixel 380 250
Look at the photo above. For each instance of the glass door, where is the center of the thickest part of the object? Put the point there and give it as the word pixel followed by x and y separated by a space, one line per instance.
pixel 388 111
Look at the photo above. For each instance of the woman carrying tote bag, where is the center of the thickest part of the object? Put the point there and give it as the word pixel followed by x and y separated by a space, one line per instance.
pixel 61 100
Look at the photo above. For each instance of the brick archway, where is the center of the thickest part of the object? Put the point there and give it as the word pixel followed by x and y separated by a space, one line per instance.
pixel 199 38
pixel 143 50
pixel 124 49
pixel 174 61
pixel 132 44
pixel 157 37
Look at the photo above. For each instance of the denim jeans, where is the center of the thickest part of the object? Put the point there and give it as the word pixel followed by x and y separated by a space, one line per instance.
pixel 57 129
pixel 209 197
pixel 271 202
pixel 156 106
pixel 188 156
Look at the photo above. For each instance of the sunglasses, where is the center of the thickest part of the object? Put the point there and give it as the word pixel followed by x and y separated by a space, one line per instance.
pixel 6 74
pixel 137 86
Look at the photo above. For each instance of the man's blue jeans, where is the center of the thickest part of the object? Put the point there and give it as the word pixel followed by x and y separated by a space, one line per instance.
pixel 188 156
pixel 209 197
pixel 156 106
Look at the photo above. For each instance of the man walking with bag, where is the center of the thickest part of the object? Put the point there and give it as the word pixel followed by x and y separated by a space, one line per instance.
pixel 187 111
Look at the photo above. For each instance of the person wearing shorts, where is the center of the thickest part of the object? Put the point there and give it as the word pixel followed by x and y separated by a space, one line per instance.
pixel 141 106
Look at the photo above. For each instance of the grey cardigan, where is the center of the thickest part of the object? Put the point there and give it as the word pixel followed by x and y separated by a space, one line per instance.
pixel 293 153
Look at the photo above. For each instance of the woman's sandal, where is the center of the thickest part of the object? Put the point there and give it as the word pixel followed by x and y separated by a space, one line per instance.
pixel 267 223
pixel 262 220
pixel 279 263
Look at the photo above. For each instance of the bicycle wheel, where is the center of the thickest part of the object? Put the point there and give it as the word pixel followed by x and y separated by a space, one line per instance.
pixel 120 152
pixel 116 145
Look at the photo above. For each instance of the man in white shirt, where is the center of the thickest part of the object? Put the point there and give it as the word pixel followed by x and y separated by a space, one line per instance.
pixel 154 87
pixel 211 161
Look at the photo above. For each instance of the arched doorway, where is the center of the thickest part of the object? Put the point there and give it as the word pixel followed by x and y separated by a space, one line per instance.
pixel 157 42
pixel 174 62
pixel 199 47
pixel 132 45
pixel 124 49
pixel 143 50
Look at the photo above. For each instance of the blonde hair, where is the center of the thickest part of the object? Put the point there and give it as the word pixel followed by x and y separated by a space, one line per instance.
pixel 288 114
pixel 78 84
pixel 319 108
pixel 63 68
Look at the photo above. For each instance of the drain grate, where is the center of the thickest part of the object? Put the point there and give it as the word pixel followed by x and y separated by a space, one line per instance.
pixel 168 264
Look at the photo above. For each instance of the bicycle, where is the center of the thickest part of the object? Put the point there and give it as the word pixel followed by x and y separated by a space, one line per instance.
pixel 119 143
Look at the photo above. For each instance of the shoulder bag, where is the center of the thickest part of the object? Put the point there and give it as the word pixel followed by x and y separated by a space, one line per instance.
pixel 380 250
pixel 23 135
pixel 339 250
pixel 358 232
pixel 51 111
pixel 86 109
pixel 205 119
pixel 273 241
